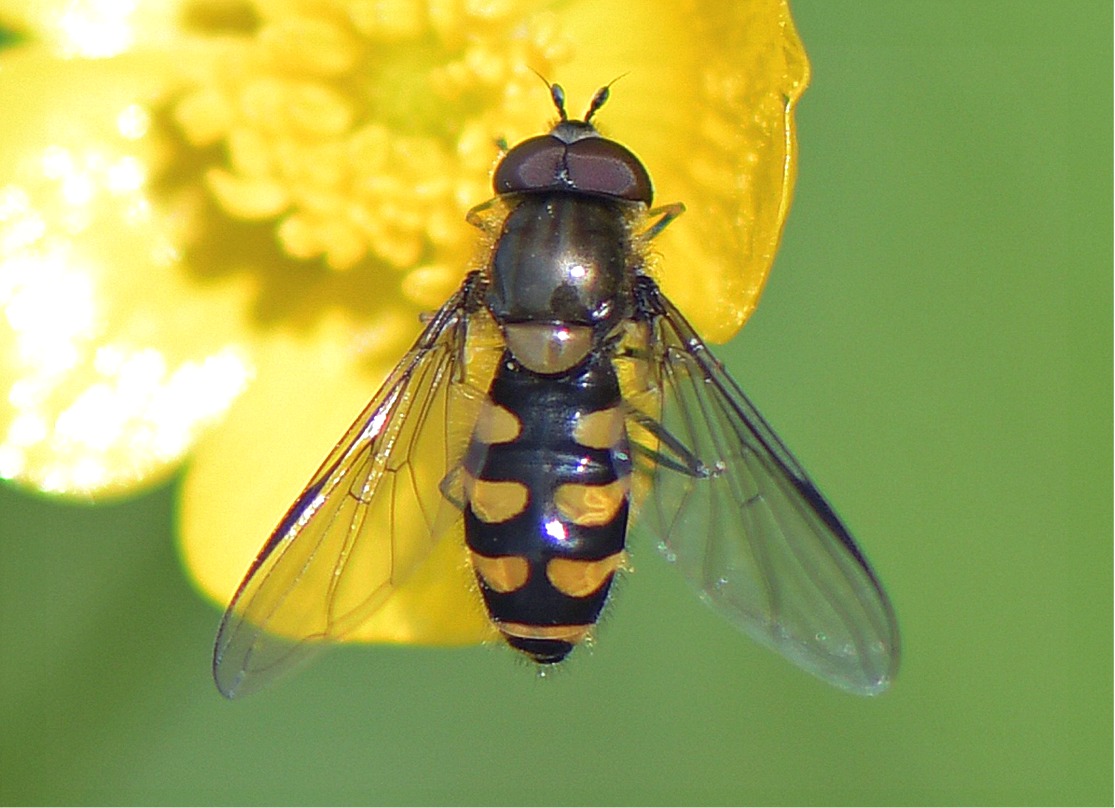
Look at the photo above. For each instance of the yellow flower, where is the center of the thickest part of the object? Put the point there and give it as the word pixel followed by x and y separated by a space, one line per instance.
pixel 220 220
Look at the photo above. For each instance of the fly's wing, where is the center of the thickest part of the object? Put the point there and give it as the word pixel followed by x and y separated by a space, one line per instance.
pixel 365 523
pixel 738 515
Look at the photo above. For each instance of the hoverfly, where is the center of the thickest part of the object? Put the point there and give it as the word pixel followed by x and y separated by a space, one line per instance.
pixel 556 398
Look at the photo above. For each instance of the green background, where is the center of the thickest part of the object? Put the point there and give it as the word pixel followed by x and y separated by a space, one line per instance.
pixel 935 343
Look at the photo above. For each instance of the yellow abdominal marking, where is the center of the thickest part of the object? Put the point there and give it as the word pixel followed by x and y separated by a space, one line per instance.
pixel 581 578
pixel 494 502
pixel 591 505
pixel 496 424
pixel 601 429
pixel 570 634
pixel 503 574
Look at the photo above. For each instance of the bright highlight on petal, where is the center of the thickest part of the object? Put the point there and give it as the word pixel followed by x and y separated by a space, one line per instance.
pixel 98 28
pixel 133 122
pixel 134 405
pixel 112 369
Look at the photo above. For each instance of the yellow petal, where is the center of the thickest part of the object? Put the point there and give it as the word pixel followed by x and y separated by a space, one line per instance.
pixel 710 113
pixel 245 475
pixel 114 361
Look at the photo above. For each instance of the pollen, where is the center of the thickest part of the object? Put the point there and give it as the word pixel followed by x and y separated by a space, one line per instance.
pixel 362 131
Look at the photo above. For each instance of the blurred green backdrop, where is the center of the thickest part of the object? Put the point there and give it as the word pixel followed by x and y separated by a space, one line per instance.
pixel 935 343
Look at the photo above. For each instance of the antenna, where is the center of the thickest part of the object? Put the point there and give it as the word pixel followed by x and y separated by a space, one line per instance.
pixel 601 97
pixel 557 94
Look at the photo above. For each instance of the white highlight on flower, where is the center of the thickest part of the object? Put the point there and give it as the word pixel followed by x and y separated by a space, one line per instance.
pixel 133 121
pixel 97 28
pixel 90 401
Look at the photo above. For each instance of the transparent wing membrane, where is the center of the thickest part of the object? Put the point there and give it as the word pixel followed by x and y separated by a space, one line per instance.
pixel 738 515
pixel 367 521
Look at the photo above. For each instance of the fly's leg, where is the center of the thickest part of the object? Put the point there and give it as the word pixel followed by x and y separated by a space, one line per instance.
pixel 664 215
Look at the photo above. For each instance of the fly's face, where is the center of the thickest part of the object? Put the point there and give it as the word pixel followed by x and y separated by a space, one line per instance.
pixel 557 403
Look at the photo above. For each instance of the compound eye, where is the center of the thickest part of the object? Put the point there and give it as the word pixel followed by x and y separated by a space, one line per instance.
pixel 533 165
pixel 590 164
pixel 600 166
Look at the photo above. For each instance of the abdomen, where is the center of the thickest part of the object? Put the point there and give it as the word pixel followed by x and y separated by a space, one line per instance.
pixel 547 495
